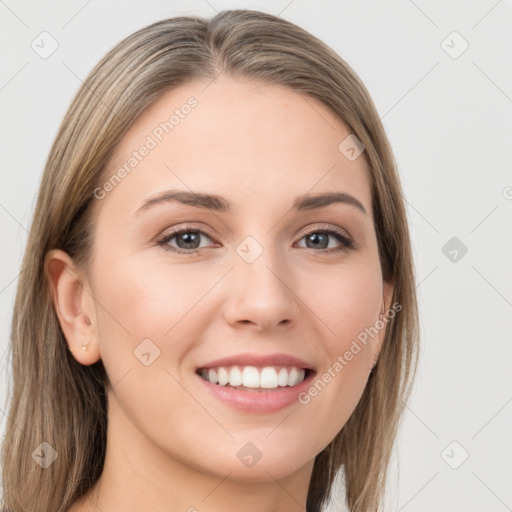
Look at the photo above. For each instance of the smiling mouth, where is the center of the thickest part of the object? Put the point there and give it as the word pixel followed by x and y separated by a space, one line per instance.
pixel 253 378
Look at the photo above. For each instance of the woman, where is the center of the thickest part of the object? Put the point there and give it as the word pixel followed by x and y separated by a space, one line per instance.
pixel 217 304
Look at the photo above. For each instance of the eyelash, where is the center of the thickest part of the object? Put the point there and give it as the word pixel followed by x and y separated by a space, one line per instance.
pixel 347 243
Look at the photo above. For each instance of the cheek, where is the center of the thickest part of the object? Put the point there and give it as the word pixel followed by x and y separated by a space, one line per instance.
pixel 348 300
pixel 152 309
pixel 349 305
pixel 148 299
pixel 138 300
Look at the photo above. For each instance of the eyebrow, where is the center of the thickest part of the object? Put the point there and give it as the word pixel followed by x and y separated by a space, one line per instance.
pixel 220 204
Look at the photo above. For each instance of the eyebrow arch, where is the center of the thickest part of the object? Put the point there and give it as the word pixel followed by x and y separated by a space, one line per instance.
pixel 220 204
pixel 312 201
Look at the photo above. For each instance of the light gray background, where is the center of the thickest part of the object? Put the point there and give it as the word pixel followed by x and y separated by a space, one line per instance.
pixel 449 123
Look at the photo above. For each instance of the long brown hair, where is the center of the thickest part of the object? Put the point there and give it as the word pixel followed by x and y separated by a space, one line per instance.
pixel 63 403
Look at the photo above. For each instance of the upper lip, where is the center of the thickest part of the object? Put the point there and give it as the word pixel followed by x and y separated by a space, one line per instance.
pixel 262 360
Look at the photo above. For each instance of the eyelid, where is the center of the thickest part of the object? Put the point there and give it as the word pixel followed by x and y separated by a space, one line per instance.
pixel 313 228
pixel 185 227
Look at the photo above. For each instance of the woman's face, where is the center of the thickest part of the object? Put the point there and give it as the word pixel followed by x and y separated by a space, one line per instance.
pixel 259 281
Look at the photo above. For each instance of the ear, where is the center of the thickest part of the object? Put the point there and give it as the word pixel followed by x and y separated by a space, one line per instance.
pixel 74 306
pixel 384 314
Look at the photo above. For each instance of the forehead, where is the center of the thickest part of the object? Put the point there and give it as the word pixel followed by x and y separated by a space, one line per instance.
pixel 244 140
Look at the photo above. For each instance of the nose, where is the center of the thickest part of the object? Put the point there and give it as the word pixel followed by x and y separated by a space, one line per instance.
pixel 261 294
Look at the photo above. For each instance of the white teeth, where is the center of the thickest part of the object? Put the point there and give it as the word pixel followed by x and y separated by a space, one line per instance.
pixel 292 377
pixel 282 378
pixel 268 377
pixel 235 376
pixel 212 376
pixel 223 376
pixel 252 377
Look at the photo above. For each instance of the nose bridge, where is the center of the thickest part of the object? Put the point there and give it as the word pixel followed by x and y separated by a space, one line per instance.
pixel 260 290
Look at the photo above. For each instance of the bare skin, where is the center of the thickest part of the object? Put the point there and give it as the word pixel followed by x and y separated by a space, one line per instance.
pixel 171 444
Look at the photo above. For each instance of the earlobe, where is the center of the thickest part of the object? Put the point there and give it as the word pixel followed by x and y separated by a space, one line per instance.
pixel 73 305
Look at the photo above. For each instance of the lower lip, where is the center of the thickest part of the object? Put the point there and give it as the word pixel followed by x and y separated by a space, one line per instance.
pixel 258 401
